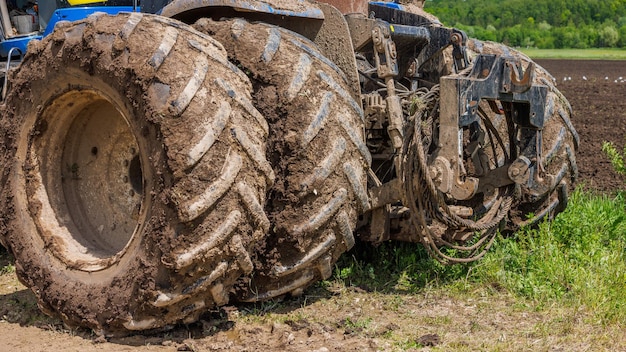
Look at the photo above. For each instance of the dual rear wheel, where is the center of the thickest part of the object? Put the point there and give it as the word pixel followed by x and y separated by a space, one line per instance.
pixel 137 166
pixel 139 160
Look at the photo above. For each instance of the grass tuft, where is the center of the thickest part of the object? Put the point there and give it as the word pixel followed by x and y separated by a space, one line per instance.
pixel 6 266
pixel 577 260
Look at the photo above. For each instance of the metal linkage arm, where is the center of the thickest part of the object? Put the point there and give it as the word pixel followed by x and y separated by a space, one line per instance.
pixel 492 78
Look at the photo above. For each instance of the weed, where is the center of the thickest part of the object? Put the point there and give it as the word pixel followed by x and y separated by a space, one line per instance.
pixel 6 266
pixel 617 158
pixel 578 259
pixel 7 269
pixel 395 267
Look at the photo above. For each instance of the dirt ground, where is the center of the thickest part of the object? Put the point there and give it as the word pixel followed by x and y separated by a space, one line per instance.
pixel 596 91
pixel 349 319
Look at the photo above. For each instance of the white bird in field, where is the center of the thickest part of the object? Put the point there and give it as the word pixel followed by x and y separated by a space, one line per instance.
pixel 621 78
pixel 606 78
pixel 584 78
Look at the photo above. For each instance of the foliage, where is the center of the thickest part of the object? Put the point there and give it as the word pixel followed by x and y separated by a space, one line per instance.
pixel 577 260
pixel 617 158
pixel 545 24
pixel 395 267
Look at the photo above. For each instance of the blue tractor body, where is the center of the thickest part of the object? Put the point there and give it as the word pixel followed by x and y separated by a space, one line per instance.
pixel 50 15
pixel 79 13
pixel 63 14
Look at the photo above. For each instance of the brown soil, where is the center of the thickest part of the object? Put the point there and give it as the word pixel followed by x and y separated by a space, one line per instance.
pixel 341 319
pixel 599 115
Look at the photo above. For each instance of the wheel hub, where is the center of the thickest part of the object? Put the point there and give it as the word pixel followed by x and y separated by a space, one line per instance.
pixel 91 171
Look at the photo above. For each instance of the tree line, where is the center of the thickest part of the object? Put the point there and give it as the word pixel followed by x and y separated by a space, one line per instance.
pixel 545 24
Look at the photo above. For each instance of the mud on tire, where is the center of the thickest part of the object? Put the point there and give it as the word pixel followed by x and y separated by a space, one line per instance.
pixel 317 149
pixel 560 142
pixel 134 178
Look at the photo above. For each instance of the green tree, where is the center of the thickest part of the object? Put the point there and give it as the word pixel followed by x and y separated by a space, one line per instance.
pixel 608 36
pixel 622 36
pixel 544 23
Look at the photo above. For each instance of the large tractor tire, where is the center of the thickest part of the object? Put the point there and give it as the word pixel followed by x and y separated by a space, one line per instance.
pixel 318 153
pixel 133 173
pixel 558 149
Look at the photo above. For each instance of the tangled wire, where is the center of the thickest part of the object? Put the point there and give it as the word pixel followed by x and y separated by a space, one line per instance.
pixel 430 215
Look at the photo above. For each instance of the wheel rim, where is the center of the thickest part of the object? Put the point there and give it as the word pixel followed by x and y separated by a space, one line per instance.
pixel 91 170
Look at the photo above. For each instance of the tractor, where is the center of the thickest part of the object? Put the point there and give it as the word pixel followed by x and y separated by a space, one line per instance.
pixel 165 158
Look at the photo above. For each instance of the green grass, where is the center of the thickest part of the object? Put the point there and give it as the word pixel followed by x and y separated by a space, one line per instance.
pixel 577 260
pixel 6 265
pixel 578 54
pixel 617 158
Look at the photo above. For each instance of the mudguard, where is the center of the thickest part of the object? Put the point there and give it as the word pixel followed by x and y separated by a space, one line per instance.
pixel 181 8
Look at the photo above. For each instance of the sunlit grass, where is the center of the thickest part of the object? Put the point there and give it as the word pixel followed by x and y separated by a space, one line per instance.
pixel 577 260
pixel 578 54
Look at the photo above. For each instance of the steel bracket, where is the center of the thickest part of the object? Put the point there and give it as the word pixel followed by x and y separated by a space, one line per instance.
pixel 492 78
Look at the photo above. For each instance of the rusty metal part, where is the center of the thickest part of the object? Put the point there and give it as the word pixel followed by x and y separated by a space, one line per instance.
pixel 387 193
pixel 386 55
pixel 381 196
pixel 348 6
pixel 458 40
pixel 519 85
pixel 462 94
pixel 519 171
pixel 494 179
pixel 431 218
pixel 441 174
pixel 373 104
pixel 450 147
pixel 386 59
pixel 394 112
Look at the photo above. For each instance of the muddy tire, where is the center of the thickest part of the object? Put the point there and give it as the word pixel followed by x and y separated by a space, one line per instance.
pixel 317 149
pixel 134 174
pixel 559 146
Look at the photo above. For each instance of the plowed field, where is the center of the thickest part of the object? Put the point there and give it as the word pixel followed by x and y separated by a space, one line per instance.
pixel 597 91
